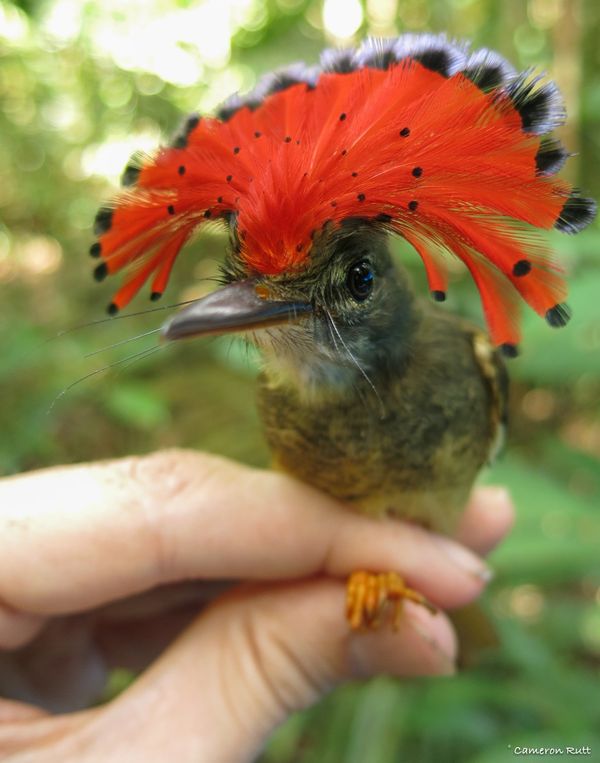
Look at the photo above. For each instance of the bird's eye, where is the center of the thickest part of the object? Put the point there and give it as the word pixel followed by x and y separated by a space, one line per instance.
pixel 360 280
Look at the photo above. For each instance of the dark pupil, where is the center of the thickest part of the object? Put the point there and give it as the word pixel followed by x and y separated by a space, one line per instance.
pixel 360 280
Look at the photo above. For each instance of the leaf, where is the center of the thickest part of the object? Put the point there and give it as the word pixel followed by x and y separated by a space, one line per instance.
pixel 557 534
pixel 552 356
pixel 135 405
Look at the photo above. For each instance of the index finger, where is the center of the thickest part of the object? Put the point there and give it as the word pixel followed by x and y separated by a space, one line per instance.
pixel 75 537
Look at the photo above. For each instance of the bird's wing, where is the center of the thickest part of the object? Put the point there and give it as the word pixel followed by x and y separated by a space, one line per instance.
pixel 494 374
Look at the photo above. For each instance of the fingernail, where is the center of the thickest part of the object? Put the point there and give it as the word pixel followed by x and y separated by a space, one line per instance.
pixel 467 561
pixel 498 496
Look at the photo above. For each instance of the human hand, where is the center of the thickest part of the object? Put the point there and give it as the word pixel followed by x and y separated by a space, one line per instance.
pixel 108 564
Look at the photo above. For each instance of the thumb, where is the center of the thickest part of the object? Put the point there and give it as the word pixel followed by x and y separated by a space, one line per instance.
pixel 256 656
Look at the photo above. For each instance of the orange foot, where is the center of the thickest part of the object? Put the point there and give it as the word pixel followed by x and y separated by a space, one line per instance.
pixel 370 597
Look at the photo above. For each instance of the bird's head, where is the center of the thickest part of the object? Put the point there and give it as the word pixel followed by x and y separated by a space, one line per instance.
pixel 416 136
pixel 344 312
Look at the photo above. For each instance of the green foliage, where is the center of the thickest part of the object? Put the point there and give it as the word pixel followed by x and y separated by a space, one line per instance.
pixel 78 89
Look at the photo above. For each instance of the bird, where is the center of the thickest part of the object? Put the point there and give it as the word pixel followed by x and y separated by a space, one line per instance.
pixel 370 392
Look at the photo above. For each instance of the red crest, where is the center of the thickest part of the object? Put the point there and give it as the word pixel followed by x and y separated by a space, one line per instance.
pixel 446 149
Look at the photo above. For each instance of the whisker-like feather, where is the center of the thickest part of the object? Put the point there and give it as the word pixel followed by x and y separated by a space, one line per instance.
pixel 133 359
pixel 107 367
pixel 365 375
pixel 122 341
pixel 123 316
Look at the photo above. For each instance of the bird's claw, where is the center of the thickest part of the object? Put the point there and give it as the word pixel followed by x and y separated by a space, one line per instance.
pixel 374 597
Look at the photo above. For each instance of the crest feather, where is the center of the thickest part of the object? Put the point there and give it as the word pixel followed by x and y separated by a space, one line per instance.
pixel 444 147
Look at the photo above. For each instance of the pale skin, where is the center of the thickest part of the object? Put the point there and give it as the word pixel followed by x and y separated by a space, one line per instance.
pixel 83 546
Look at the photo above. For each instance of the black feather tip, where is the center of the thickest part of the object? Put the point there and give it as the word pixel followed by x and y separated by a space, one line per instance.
pixel 236 102
pixel 130 175
pixel 577 213
pixel 283 79
pixel 433 51
pixel 376 54
pixel 103 221
pixel 540 106
pixel 488 69
pixel 509 350
pixel 436 60
pixel 182 137
pixel 101 271
pixel 521 268
pixel 486 77
pixel 550 157
pixel 558 316
pixel 338 61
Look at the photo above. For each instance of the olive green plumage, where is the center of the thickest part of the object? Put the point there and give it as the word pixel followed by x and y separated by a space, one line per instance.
pixel 389 403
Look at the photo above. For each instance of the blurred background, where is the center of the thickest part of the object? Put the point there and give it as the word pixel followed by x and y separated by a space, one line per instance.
pixel 84 84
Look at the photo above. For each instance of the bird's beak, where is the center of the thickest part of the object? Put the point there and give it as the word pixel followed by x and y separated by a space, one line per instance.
pixel 239 306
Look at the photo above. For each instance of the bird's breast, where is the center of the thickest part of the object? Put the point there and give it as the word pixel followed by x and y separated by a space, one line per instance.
pixel 417 461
